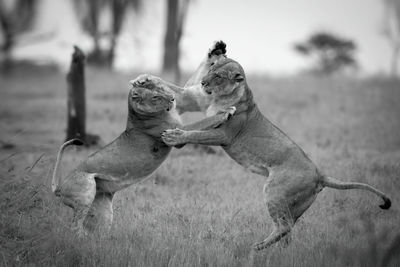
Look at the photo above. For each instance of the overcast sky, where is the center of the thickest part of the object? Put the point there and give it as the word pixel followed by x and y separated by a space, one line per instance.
pixel 259 33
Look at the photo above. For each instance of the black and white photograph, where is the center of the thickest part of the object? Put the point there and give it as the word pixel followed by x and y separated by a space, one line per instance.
pixel 200 133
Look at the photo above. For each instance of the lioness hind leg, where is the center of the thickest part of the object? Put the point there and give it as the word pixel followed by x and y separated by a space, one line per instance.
pixel 280 231
pixel 286 240
pixel 283 220
pixel 285 206
pixel 78 191
pixel 77 221
pixel 100 214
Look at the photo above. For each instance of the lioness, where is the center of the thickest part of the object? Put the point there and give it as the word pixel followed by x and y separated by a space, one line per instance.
pixel 293 181
pixel 135 154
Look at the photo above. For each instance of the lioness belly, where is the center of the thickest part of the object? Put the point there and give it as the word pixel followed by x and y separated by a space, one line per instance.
pixel 248 159
pixel 260 145
pixel 126 161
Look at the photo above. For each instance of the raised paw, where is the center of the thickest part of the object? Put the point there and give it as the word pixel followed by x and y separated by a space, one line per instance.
pixel 146 80
pixel 173 137
pixel 228 113
pixel 140 80
pixel 218 48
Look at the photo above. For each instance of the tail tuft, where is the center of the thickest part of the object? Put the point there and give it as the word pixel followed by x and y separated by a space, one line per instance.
pixel 334 183
pixel 387 204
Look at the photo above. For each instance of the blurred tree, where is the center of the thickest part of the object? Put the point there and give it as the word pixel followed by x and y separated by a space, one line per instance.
pixel 15 18
pixel 76 102
pixel 330 53
pixel 176 15
pixel 119 8
pixel 391 30
pixel 89 13
pixel 76 105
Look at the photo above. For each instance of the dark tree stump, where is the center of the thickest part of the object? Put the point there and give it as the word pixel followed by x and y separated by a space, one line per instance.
pixel 76 105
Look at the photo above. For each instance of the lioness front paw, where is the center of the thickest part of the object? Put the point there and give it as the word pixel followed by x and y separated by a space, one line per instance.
pixel 218 48
pixel 140 80
pixel 228 113
pixel 173 137
pixel 146 80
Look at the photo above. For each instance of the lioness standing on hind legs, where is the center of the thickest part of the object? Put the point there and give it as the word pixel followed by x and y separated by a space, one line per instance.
pixel 292 179
pixel 130 158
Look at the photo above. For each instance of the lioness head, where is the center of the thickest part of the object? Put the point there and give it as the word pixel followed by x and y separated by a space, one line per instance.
pixel 215 53
pixel 150 100
pixel 226 77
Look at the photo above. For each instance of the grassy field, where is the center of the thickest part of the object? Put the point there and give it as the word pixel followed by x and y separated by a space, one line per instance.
pixel 204 210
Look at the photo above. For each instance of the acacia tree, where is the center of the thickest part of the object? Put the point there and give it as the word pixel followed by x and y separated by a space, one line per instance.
pixel 176 15
pixel 330 53
pixel 13 21
pixel 391 30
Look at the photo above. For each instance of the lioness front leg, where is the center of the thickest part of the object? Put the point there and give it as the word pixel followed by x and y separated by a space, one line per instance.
pixel 213 137
pixel 211 122
pixel 208 123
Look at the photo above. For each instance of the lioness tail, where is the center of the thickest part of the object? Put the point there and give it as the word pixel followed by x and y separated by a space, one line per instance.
pixel 54 182
pixel 334 183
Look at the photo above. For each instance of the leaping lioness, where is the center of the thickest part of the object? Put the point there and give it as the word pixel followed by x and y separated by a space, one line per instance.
pixel 293 180
pixel 131 157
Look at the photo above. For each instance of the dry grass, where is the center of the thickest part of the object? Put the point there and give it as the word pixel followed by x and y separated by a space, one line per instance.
pixel 205 210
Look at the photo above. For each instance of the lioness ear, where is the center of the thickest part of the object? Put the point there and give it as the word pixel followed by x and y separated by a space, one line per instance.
pixel 238 77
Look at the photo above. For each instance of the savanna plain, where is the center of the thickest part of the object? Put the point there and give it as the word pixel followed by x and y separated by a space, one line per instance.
pixel 200 208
